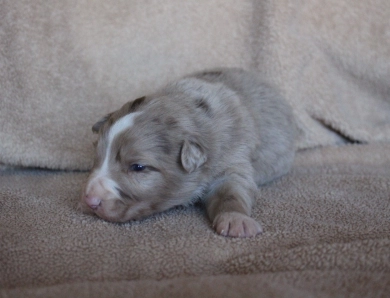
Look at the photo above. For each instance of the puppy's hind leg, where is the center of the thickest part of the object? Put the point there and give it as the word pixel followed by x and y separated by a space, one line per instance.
pixel 229 206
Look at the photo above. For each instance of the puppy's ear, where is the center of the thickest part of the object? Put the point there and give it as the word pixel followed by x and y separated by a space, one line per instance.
pixel 96 127
pixel 193 155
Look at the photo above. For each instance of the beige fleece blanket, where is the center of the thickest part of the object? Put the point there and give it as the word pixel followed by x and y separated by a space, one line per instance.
pixel 66 63
pixel 326 224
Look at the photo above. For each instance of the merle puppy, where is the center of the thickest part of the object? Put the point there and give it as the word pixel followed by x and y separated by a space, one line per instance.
pixel 214 136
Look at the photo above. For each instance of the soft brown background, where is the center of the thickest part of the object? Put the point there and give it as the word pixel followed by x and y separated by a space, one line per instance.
pixel 64 64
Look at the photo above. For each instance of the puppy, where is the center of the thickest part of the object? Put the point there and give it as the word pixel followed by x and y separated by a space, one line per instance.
pixel 213 136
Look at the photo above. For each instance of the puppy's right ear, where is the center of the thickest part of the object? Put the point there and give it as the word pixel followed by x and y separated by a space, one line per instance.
pixel 96 127
pixel 193 155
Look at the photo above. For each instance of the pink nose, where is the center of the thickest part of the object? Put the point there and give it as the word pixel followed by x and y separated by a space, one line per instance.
pixel 93 202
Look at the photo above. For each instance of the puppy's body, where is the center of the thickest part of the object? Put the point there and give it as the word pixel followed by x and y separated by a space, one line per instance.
pixel 213 135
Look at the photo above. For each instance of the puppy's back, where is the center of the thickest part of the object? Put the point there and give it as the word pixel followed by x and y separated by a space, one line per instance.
pixel 275 128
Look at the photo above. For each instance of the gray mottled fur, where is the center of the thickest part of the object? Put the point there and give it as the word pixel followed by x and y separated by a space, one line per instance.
pixel 215 135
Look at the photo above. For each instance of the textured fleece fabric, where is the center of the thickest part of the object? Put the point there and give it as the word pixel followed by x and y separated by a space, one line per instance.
pixel 326 234
pixel 65 65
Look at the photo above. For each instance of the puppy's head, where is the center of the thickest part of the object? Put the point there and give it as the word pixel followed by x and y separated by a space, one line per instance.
pixel 148 159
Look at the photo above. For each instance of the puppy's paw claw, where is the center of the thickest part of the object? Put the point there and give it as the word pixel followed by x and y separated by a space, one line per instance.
pixel 235 224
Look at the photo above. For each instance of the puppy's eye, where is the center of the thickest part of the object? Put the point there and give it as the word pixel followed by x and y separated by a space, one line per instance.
pixel 137 168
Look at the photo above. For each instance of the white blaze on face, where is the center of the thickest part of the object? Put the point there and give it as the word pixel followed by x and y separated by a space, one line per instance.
pixel 100 182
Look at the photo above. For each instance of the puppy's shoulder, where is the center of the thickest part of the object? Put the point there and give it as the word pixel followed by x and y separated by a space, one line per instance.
pixel 197 89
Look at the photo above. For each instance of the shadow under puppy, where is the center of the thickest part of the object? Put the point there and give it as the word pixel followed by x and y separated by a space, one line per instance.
pixel 213 135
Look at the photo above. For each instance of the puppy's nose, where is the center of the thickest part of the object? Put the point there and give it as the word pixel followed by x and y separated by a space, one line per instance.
pixel 92 201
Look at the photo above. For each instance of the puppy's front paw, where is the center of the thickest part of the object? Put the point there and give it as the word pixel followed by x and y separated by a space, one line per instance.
pixel 235 224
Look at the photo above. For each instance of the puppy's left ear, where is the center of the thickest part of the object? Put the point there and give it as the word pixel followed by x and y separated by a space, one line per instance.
pixel 193 155
pixel 96 127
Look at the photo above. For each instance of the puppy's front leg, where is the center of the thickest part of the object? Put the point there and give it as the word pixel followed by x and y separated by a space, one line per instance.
pixel 229 206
